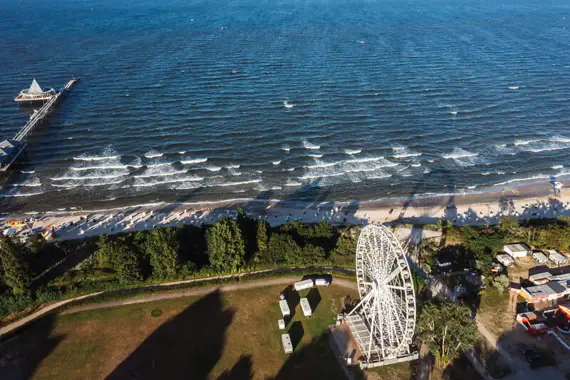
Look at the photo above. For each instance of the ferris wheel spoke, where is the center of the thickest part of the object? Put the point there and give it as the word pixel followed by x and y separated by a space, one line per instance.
pixel 392 275
pixel 396 287
pixel 394 310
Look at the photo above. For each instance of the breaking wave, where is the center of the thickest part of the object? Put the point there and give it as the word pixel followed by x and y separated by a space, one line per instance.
pixel 194 161
pixel 309 145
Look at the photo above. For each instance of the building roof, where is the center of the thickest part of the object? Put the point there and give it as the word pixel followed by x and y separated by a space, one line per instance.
pixel 504 256
pixel 539 256
pixel 555 256
pixel 539 276
pixel 519 247
pixel 545 290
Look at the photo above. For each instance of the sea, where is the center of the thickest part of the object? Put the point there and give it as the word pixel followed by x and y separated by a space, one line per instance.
pixel 302 100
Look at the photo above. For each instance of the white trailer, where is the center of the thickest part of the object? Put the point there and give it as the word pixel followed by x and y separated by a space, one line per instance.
pixel 306 284
pixel 284 308
pixel 306 307
pixel 287 345
pixel 556 257
pixel 539 257
pixel 505 259
pixel 322 282
pixel 281 324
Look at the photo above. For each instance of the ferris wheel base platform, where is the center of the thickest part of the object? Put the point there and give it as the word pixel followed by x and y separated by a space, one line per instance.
pixel 350 340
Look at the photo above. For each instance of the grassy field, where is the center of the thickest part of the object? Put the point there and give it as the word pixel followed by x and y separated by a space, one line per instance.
pixel 221 335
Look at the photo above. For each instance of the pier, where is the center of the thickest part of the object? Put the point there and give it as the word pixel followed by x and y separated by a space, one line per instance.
pixel 12 148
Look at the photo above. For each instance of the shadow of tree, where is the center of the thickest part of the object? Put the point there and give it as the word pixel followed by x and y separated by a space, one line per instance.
pixel 308 362
pixel 187 346
pixel 21 355
pixel 242 370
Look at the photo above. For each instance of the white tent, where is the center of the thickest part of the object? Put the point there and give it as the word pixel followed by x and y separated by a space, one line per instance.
pixel 35 88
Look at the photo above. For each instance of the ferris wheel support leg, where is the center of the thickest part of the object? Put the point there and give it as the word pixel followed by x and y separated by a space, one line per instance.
pixel 372 328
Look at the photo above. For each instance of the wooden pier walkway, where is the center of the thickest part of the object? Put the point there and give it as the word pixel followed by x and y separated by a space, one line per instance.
pixel 18 141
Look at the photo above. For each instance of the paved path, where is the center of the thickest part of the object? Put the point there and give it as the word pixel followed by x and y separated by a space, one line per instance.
pixel 253 284
pixel 188 292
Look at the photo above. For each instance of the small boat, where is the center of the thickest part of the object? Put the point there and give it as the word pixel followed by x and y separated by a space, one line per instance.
pixel 35 94
pixel 16 223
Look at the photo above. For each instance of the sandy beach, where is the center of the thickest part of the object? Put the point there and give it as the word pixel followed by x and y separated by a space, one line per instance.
pixel 528 201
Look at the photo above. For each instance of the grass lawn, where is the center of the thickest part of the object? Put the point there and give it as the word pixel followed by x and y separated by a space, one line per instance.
pixel 221 335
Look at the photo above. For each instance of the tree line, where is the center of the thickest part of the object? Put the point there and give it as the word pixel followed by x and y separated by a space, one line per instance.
pixel 228 246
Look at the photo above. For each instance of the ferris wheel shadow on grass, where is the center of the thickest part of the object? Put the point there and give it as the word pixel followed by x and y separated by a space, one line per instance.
pixel 187 346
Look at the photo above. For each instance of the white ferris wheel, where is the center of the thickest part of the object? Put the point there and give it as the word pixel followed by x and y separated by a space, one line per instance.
pixel 384 320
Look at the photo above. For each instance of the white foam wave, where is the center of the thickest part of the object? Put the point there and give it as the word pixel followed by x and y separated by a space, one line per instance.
pixel 324 175
pixel 293 184
pixel 525 142
pixel 459 153
pixel 162 164
pixel 361 160
pixel 182 152
pixel 28 171
pixel 315 155
pixel 75 185
pixel 513 87
pixel 309 145
pixel 381 176
pixel 540 176
pixel 323 165
pixel 104 167
pixel 214 168
pixel 555 167
pixel 352 151
pixel 163 182
pixel 194 161
pixel 453 112
pixel 285 148
pixel 547 149
pixel 95 158
pixel 276 162
pixel 73 178
pixel 17 195
pixel 405 155
pixel 290 169
pixel 237 183
pixel 165 174
pixel 153 154
pixel 288 105
pixel 233 166
pixel 26 184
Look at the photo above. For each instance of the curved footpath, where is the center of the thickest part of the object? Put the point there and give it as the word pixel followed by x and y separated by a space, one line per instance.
pixel 203 291
pixel 249 284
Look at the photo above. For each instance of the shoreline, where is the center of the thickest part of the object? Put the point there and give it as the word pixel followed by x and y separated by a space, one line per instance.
pixel 533 200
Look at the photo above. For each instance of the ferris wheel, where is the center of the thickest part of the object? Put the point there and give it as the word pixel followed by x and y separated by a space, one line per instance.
pixel 384 320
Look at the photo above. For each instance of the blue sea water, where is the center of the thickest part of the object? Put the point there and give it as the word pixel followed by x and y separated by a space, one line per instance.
pixel 186 100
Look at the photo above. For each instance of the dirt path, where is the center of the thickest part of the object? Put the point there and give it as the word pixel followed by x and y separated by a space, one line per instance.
pixel 253 284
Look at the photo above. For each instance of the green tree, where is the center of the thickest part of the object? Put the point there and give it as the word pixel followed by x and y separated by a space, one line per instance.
pixel 17 274
pixel 162 247
pixel 500 282
pixel 128 263
pixel 122 257
pixel 447 329
pixel 262 238
pixel 226 248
